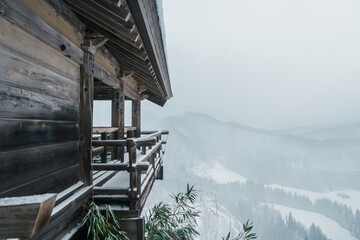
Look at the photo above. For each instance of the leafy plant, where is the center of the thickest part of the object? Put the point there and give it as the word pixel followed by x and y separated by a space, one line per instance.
pixel 245 234
pixel 175 221
pixel 103 227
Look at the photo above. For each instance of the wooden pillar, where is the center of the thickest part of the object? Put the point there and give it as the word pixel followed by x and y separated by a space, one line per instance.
pixel 85 123
pixel 117 118
pixel 136 116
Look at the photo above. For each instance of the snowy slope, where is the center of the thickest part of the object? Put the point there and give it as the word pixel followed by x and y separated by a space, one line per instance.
pixel 328 226
pixel 217 172
pixel 216 153
pixel 349 198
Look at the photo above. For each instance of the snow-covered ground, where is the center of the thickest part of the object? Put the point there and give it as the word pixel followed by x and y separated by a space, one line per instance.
pixel 328 226
pixel 217 172
pixel 348 198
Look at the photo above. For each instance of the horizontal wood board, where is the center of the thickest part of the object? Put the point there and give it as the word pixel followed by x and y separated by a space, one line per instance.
pixel 39 109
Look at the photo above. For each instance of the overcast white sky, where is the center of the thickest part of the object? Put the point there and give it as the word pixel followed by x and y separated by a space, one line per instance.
pixel 264 63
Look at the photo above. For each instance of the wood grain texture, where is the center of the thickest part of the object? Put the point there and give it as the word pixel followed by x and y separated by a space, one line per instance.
pixel 100 73
pixel 107 61
pixel 19 167
pixel 85 125
pixel 136 116
pixel 17 102
pixel 19 133
pixel 33 24
pixel 31 91
pixel 54 182
pixel 55 20
pixel 99 130
pixel 16 71
pixel 11 226
pixel 16 40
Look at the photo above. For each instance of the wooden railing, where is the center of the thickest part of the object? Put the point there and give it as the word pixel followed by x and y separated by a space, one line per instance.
pixel 143 163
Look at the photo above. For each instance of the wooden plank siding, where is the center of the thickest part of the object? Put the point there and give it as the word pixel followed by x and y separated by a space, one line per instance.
pixel 39 110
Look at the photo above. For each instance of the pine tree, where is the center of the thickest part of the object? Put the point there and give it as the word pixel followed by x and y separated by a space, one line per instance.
pixel 356 230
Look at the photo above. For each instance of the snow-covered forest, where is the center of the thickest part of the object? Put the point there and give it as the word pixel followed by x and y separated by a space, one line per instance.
pixel 293 184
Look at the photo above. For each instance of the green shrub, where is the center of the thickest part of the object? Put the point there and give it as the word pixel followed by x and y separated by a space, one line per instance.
pixel 245 234
pixel 175 221
pixel 103 227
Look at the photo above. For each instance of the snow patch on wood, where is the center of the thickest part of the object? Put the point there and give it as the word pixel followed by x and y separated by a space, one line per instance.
pixel 14 201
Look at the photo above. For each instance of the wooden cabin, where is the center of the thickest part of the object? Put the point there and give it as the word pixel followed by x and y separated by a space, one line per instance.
pixel 56 58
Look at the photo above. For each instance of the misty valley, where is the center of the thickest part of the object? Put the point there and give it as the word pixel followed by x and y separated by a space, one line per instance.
pixel 292 184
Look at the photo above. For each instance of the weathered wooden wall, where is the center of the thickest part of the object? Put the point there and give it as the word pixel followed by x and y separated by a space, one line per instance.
pixel 39 106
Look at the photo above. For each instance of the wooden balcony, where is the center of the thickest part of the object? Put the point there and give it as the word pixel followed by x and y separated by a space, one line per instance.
pixel 129 177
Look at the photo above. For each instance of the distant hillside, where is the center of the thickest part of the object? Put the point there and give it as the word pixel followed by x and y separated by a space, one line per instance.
pixel 229 163
pixel 285 157
pixel 350 131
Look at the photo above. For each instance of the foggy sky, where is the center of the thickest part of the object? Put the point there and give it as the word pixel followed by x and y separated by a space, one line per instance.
pixel 264 63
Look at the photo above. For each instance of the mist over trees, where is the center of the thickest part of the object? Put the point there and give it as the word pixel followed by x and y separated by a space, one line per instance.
pixel 287 158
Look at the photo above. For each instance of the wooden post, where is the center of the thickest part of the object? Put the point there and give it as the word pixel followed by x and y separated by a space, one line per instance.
pixel 121 116
pixel 136 115
pixel 115 111
pixel 140 222
pixel 104 154
pixel 133 182
pixel 143 150
pixel 117 118
pixel 85 123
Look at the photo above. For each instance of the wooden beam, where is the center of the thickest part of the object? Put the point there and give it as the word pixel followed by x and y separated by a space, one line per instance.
pixel 109 143
pixel 110 191
pixel 104 75
pixel 85 126
pixel 110 11
pixel 96 15
pixel 99 130
pixel 110 166
pixel 114 48
pixel 115 9
pixel 145 16
pixel 107 60
pixel 130 93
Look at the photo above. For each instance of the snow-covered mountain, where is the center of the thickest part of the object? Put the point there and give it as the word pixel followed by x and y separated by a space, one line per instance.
pixel 221 157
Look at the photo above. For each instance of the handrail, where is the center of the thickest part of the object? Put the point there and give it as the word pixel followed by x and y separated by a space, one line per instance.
pixel 148 163
pixel 97 150
pixel 162 132
pixel 145 141
pixel 99 130
pixel 109 143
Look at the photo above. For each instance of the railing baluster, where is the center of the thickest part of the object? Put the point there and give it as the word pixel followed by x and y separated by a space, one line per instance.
pixel 133 182
pixel 104 154
pixel 143 150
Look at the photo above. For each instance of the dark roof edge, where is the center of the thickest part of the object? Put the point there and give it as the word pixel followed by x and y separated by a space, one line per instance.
pixel 143 13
